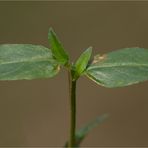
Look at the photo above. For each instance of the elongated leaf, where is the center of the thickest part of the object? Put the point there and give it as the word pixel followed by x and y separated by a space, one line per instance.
pixel 57 48
pixel 120 68
pixel 82 62
pixel 84 131
pixel 26 61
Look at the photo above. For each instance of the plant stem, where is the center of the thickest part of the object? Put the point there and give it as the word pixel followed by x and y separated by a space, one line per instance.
pixel 72 96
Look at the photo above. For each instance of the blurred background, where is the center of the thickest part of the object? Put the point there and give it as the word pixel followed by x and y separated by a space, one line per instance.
pixel 36 113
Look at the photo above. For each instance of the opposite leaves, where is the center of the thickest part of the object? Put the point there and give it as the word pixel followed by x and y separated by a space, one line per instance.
pixel 120 68
pixel 26 61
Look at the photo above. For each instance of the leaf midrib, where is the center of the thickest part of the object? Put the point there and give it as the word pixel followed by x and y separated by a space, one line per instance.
pixel 117 65
pixel 25 61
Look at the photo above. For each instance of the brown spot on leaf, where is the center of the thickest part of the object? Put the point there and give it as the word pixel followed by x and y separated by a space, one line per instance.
pixel 58 68
pixel 99 58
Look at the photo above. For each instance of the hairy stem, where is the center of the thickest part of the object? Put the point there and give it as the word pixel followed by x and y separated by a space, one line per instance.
pixel 72 96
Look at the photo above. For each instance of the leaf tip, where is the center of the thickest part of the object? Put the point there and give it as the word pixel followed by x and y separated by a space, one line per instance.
pixel 50 32
pixel 89 50
pixel 50 29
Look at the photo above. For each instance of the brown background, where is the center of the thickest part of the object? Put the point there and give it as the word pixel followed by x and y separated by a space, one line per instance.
pixel 36 113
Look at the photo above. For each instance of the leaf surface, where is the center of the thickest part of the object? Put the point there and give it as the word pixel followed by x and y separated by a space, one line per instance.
pixel 120 68
pixel 57 48
pixel 82 62
pixel 26 61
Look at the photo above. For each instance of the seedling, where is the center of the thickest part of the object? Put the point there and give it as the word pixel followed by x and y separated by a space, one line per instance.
pixel 114 69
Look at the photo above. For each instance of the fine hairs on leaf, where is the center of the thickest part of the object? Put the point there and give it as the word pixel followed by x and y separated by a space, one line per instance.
pixel 118 68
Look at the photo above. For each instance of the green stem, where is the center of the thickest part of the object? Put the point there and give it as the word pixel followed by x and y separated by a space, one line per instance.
pixel 72 95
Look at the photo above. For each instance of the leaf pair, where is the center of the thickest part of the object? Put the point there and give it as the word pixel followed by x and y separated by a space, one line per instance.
pixel 115 69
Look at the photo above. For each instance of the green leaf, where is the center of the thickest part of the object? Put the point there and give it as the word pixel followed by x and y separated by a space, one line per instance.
pixel 26 61
pixel 57 49
pixel 84 131
pixel 82 62
pixel 120 68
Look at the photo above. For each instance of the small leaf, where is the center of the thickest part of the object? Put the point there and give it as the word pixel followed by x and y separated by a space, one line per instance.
pixel 26 61
pixel 84 131
pixel 80 134
pixel 57 49
pixel 120 68
pixel 82 62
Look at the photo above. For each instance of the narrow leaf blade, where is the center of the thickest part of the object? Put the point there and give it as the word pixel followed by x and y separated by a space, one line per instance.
pixel 120 68
pixel 84 131
pixel 82 62
pixel 26 61
pixel 57 49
